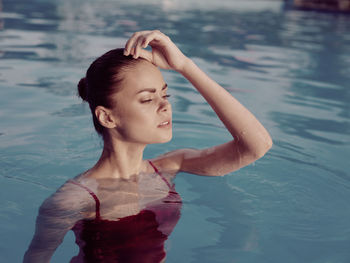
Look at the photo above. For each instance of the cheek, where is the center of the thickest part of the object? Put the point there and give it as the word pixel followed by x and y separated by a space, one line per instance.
pixel 137 118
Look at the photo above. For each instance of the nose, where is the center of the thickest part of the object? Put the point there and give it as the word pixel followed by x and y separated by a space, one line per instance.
pixel 164 105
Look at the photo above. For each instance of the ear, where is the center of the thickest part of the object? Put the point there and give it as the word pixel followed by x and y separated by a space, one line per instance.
pixel 105 117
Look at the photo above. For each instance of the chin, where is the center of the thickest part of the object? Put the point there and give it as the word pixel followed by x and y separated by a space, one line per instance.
pixel 165 139
pixel 168 140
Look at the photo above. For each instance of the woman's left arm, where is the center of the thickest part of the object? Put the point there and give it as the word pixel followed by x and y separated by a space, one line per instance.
pixel 250 139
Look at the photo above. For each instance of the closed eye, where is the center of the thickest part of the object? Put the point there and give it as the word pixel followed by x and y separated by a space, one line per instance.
pixel 149 100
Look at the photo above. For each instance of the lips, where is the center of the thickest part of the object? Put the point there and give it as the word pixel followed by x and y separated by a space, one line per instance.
pixel 164 123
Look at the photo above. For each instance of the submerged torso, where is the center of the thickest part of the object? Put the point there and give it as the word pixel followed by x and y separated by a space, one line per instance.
pixel 132 220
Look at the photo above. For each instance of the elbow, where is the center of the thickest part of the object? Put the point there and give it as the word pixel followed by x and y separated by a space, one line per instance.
pixel 257 150
pixel 251 151
pixel 263 148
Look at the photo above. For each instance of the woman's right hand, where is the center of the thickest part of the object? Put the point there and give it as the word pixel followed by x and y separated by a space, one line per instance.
pixel 165 54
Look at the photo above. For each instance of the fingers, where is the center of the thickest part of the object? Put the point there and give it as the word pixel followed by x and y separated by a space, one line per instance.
pixel 148 38
pixel 140 40
pixel 130 44
pixel 146 55
pixel 138 46
pixel 133 44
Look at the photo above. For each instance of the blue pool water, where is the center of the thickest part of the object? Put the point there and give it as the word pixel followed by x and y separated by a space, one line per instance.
pixel 291 68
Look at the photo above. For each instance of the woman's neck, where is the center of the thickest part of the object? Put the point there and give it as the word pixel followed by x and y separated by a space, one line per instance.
pixel 120 160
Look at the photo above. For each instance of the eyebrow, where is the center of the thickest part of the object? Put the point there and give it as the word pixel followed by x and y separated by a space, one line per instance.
pixel 152 90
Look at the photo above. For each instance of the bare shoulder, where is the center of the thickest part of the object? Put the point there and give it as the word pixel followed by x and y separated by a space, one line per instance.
pixel 68 200
pixel 216 160
pixel 171 162
pixel 57 215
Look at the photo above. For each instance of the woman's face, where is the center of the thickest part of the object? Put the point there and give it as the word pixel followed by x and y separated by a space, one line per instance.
pixel 141 106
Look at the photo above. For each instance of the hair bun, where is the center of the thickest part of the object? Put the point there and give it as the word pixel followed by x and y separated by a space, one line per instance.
pixel 82 89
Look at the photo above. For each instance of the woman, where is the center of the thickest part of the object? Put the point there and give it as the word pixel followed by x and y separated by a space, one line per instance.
pixel 124 207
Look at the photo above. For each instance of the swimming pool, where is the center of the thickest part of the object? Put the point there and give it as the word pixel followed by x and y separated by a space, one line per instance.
pixel 290 68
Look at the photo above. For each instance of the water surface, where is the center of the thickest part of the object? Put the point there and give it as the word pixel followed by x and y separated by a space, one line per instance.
pixel 291 68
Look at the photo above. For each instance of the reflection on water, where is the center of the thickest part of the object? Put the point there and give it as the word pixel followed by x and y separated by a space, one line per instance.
pixel 289 67
pixel 305 126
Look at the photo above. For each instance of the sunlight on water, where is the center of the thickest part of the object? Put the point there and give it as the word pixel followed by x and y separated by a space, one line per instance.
pixel 289 67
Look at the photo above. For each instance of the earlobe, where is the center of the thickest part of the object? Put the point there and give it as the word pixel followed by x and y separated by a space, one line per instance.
pixel 105 117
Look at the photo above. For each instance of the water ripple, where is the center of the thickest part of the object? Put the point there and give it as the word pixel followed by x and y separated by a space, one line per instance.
pixel 307 127
pixel 291 68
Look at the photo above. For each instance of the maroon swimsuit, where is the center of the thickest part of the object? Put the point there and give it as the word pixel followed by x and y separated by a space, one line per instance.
pixel 138 238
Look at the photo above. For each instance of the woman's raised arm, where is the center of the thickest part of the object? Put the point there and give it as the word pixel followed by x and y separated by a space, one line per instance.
pixel 250 139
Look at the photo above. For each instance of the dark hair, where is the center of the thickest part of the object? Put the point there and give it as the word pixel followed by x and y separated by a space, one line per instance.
pixel 103 79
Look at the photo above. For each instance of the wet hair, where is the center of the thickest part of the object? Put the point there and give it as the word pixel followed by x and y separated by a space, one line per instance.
pixel 103 79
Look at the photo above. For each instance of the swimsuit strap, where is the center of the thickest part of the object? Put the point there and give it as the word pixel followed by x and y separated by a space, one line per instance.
pixel 92 194
pixel 98 201
pixel 161 176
